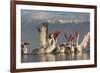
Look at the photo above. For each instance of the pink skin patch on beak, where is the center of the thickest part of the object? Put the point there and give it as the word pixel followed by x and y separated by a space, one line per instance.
pixel 71 38
pixel 77 35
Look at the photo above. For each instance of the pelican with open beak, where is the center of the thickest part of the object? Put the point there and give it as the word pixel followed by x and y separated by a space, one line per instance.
pixel 52 41
pixel 24 49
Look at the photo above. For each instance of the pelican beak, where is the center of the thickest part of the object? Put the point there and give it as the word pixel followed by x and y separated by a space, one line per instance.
pixel 56 34
pixel 77 34
pixel 26 43
pixel 71 37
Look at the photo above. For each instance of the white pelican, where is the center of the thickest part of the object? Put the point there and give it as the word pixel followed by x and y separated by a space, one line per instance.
pixel 68 48
pixel 52 40
pixel 43 33
pixel 71 38
pixel 47 44
pixel 70 43
pixel 61 48
pixel 24 49
pixel 84 43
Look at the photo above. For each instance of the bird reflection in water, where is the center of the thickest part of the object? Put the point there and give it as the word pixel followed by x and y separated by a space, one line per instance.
pixel 51 57
pixel 46 57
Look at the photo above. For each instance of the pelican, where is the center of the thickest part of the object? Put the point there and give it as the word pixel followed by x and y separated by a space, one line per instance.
pixel 24 49
pixel 70 43
pixel 52 41
pixel 86 40
pixel 66 47
pixel 43 33
pixel 47 43
pixel 76 47
pixel 71 38
pixel 61 48
pixel 84 43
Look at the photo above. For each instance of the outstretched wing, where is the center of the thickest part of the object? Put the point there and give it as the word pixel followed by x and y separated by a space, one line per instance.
pixel 86 40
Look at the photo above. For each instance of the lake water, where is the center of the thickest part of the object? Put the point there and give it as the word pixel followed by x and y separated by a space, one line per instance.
pixel 54 57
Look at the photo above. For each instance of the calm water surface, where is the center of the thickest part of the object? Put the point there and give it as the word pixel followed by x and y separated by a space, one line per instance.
pixel 54 57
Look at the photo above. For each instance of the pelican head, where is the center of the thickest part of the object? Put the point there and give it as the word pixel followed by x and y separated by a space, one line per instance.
pixel 26 43
pixel 51 35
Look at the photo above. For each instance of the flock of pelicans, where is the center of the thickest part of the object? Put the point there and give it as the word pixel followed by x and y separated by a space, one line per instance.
pixel 48 43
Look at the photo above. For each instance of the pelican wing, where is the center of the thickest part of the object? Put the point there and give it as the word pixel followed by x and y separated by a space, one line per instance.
pixel 86 40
